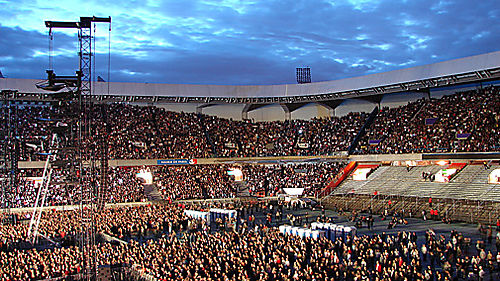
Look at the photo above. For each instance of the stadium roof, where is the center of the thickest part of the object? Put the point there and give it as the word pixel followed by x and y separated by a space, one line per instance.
pixel 484 67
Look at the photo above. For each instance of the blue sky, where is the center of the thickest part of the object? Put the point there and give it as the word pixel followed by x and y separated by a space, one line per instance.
pixel 247 41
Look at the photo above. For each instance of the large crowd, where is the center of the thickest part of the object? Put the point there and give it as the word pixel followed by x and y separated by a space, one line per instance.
pixel 62 227
pixel 194 182
pixel 178 182
pixel 272 179
pixel 323 136
pixel 172 246
pixel 466 121
pixel 145 132
pixel 167 245
pixel 151 132
pixel 64 188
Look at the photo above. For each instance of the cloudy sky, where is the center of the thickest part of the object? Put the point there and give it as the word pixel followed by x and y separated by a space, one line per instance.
pixel 247 41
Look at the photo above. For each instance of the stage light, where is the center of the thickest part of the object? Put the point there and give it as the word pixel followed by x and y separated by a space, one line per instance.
pixel 237 173
pixel 145 176
pixel 442 162
pixel 46 86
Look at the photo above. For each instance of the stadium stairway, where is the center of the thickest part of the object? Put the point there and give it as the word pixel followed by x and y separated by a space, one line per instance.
pixel 152 193
pixel 418 111
pixel 363 130
pixel 368 124
pixel 207 134
pixel 342 175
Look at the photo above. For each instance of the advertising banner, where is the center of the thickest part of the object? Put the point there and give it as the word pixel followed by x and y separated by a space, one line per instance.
pixel 177 162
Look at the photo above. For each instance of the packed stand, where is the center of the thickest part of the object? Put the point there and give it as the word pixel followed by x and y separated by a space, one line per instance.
pixel 34 129
pixel 387 122
pixel 142 132
pixel 139 132
pixel 464 122
pixel 194 182
pixel 320 136
pixel 179 182
pixel 271 179
pixel 63 189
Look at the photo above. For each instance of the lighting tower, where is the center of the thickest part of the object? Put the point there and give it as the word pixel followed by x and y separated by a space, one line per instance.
pixel 89 160
pixel 303 75
pixel 85 38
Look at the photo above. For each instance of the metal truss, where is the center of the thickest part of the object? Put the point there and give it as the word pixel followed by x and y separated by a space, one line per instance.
pixel 91 162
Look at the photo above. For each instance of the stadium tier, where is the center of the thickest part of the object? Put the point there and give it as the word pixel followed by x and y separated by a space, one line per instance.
pixel 466 121
pixel 181 182
pixel 458 191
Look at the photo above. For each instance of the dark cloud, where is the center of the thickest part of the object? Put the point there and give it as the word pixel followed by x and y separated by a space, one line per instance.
pixel 243 42
pixel 25 53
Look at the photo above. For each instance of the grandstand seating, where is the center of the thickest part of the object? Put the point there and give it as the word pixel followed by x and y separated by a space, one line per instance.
pixel 155 226
pixel 149 132
pixel 468 196
pixel 470 183
pixel 182 182
pixel 455 125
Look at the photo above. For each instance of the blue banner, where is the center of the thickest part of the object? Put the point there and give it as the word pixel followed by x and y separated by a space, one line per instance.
pixel 430 121
pixel 176 162
pixel 374 142
pixel 463 136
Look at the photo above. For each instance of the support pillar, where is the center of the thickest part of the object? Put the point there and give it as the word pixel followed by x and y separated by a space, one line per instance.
pixel 288 114
pixel 244 112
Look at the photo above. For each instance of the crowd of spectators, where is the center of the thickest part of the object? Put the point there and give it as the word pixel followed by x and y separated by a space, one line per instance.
pixel 141 132
pixel 273 178
pixel 319 136
pixel 387 122
pixel 194 182
pixel 63 226
pixel 32 123
pixel 466 121
pixel 131 132
pixel 178 247
pixel 178 182
pixel 63 188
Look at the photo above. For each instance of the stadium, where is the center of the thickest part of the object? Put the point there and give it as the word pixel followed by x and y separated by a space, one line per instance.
pixel 386 176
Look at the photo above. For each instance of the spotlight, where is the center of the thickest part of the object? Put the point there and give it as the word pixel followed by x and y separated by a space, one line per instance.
pixel 52 87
